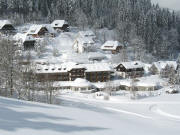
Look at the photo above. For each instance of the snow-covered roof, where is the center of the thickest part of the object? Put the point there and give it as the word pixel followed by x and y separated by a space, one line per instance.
pixel 96 55
pixel 76 67
pixel 162 64
pixel 57 68
pixel 58 23
pixel 23 37
pixel 4 22
pixel 79 82
pixel 85 40
pixel 34 29
pixel 110 45
pixel 132 64
pixel 50 28
pixel 98 67
pixel 87 34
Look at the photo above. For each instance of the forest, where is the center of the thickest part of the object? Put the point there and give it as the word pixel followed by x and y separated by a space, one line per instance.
pixel 155 29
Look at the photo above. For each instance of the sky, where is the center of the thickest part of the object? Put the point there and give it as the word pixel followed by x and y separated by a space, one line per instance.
pixel 172 4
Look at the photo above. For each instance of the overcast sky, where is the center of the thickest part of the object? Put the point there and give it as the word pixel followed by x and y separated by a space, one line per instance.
pixel 172 4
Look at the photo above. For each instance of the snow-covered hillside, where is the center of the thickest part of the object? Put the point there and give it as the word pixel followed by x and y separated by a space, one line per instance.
pixel 80 117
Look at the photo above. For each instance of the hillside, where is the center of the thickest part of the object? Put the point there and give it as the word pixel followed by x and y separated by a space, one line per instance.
pixel 76 117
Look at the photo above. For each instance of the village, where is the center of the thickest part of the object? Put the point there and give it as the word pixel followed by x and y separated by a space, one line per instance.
pixel 76 60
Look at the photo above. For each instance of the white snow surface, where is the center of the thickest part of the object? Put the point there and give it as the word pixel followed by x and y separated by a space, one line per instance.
pixel 81 116
pixel 79 82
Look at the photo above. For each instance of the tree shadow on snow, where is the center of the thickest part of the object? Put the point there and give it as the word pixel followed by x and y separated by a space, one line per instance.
pixel 11 120
pixel 81 105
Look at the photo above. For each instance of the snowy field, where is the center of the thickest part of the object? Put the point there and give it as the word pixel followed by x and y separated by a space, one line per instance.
pixel 80 116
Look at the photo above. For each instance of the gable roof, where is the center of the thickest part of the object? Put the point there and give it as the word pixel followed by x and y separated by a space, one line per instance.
pixel 85 40
pixel 132 64
pixel 87 34
pixel 34 29
pixel 110 45
pixel 4 22
pixel 57 68
pixel 23 37
pixel 58 23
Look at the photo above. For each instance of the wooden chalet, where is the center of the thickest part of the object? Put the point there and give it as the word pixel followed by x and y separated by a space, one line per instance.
pixel 98 72
pixel 112 46
pixel 38 31
pixel 130 69
pixel 52 73
pixel 6 27
pixel 60 25
pixel 27 41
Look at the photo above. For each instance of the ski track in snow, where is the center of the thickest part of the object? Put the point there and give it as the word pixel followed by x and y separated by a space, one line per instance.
pixel 130 113
pixel 153 108
pixel 156 109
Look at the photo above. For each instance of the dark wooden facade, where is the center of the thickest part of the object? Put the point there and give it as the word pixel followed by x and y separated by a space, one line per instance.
pixel 76 73
pixel 63 76
pixel 29 45
pixel 117 50
pixel 98 76
pixel 43 31
pixel 131 72
pixel 64 28
pixel 8 29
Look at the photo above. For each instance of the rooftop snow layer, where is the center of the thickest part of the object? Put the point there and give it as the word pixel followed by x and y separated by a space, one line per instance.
pixel 86 33
pixel 34 29
pixel 58 23
pixel 110 45
pixel 97 67
pixel 23 37
pixel 133 64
